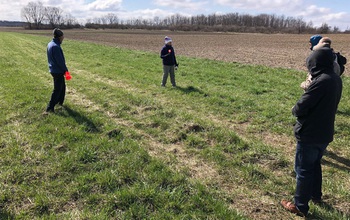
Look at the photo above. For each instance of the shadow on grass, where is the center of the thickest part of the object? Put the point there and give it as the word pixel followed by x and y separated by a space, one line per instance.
pixel 5 215
pixel 191 89
pixel 329 208
pixel 343 163
pixel 344 113
pixel 81 119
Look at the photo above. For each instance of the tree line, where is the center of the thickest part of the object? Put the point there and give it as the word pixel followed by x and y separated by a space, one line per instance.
pixel 39 16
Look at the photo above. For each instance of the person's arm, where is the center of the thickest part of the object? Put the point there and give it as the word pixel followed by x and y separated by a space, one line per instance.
pixel 59 58
pixel 309 99
pixel 176 64
pixel 164 53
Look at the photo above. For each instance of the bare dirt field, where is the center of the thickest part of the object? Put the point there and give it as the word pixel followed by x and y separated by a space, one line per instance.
pixel 274 50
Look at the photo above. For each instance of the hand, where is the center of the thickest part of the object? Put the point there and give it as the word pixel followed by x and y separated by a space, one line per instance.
pixel 67 75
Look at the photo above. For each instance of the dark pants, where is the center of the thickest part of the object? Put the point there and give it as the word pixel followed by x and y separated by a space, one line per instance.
pixel 59 91
pixel 166 71
pixel 309 174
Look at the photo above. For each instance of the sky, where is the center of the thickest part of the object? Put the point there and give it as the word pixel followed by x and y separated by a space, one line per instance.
pixel 335 13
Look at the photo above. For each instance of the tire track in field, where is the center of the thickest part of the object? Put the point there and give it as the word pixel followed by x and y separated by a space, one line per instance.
pixel 257 206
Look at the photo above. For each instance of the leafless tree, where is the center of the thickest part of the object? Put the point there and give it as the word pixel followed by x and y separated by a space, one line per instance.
pixel 70 21
pixel 39 16
pixel 324 29
pixel 112 18
pixel 54 16
pixel 34 14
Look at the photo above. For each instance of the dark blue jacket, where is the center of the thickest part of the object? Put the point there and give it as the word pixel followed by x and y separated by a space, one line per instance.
pixel 168 55
pixel 316 109
pixel 55 57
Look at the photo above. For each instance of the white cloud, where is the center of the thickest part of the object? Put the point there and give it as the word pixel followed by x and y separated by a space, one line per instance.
pixel 105 5
pixel 181 4
pixel 314 11
pixel 321 15
pixel 88 9
pixel 295 8
pixel 263 5
pixel 80 9
pixel 11 10
pixel 144 14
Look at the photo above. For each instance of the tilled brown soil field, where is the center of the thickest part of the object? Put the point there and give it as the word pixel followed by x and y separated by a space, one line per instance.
pixel 274 50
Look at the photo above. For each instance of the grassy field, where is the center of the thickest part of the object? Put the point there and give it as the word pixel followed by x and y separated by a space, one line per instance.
pixel 220 146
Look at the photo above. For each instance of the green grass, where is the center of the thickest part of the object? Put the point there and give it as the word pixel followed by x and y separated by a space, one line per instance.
pixel 122 146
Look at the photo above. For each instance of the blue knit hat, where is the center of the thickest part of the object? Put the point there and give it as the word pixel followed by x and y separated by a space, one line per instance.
pixel 314 40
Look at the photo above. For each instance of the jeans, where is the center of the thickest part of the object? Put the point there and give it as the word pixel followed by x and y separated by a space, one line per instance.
pixel 166 71
pixel 308 174
pixel 58 93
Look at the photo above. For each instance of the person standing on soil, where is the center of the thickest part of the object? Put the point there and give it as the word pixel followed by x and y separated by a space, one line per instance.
pixel 169 61
pixel 58 68
pixel 314 129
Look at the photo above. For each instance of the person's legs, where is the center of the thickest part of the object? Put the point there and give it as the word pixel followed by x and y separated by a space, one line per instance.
pixel 172 75
pixel 166 70
pixel 58 85
pixel 309 174
pixel 317 184
pixel 62 94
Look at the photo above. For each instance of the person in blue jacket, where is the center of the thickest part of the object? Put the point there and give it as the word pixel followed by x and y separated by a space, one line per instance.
pixel 58 68
pixel 169 61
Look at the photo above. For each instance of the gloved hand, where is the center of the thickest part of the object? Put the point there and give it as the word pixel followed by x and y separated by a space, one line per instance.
pixel 67 75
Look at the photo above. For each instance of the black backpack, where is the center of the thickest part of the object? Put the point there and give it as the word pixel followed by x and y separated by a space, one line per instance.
pixel 341 61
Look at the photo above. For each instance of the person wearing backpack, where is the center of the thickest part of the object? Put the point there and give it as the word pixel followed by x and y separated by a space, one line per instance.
pixel 326 42
pixel 315 114
pixel 341 60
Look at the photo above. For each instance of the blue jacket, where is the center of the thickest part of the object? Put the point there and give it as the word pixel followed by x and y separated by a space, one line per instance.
pixel 55 57
pixel 168 55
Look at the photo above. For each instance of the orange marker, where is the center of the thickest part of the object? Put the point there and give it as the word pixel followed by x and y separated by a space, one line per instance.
pixel 67 75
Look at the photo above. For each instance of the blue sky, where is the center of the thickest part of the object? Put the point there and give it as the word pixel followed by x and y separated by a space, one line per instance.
pixel 334 13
